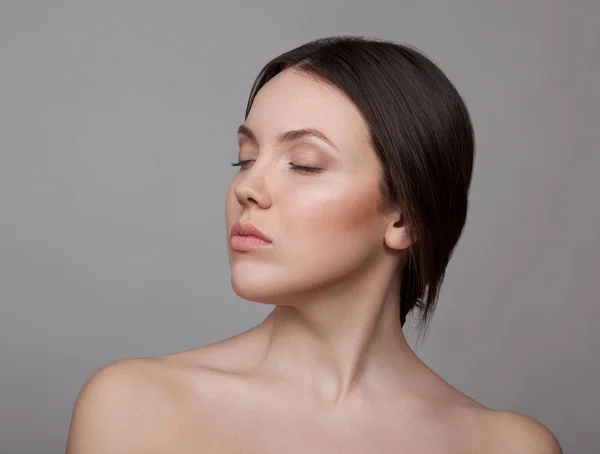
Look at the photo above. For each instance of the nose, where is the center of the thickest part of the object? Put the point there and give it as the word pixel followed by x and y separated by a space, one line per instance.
pixel 252 188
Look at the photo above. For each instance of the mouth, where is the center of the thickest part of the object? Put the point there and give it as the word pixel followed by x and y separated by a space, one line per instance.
pixel 245 237
pixel 248 229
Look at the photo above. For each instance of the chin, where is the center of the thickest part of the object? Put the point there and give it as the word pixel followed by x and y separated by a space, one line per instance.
pixel 264 288
pixel 253 288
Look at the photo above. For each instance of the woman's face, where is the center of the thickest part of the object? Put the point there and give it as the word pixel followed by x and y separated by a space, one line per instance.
pixel 325 226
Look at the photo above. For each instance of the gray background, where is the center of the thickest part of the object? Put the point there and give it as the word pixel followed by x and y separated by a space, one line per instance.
pixel 117 130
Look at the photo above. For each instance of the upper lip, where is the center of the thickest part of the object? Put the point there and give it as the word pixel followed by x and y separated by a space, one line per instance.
pixel 248 229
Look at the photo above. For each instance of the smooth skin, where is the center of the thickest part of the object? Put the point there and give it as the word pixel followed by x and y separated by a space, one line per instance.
pixel 329 369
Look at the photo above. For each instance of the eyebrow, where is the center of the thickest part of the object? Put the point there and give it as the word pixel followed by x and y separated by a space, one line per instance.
pixel 288 136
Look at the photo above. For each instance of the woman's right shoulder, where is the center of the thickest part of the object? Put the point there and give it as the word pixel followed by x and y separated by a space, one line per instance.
pixel 122 408
pixel 126 379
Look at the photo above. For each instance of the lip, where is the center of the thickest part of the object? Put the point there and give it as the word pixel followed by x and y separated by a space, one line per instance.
pixel 248 229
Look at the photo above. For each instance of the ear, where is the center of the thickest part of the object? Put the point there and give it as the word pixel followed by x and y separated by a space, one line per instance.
pixel 397 233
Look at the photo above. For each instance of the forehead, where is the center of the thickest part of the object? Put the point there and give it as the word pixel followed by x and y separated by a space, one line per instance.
pixel 293 100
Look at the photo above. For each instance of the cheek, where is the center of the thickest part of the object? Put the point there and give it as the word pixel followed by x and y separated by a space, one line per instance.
pixel 233 208
pixel 329 234
pixel 340 213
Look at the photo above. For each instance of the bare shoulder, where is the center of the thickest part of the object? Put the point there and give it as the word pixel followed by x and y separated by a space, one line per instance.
pixel 497 431
pixel 119 406
pixel 515 433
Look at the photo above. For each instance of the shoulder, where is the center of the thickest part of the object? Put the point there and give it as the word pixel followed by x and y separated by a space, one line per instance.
pixel 118 406
pixel 515 433
pixel 494 431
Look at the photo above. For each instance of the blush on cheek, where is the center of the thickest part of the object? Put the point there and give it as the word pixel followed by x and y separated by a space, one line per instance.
pixel 346 211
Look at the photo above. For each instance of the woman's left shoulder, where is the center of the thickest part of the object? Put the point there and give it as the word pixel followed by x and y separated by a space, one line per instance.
pixel 510 432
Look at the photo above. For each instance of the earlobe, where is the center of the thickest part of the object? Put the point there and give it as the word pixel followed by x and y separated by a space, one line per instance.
pixel 397 235
pixel 398 238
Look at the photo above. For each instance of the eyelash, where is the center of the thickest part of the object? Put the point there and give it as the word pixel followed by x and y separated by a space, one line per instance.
pixel 294 167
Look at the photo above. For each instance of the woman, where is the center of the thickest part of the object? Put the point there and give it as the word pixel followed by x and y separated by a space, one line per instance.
pixel 355 162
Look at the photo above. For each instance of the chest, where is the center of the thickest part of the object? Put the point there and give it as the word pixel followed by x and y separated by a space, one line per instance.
pixel 239 418
pixel 269 434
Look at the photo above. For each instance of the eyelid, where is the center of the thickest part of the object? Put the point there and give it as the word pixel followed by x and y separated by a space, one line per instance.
pixel 305 153
pixel 314 157
pixel 293 166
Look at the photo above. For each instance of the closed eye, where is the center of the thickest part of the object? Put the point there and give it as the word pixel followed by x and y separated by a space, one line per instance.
pixel 292 165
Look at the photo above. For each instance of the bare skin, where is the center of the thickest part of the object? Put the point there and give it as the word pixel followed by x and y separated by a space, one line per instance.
pixel 329 370
pixel 412 413
pixel 214 400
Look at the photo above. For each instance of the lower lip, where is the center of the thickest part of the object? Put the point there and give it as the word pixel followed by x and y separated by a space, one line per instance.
pixel 246 243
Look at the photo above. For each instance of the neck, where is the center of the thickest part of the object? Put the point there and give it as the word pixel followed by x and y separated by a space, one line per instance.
pixel 340 340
